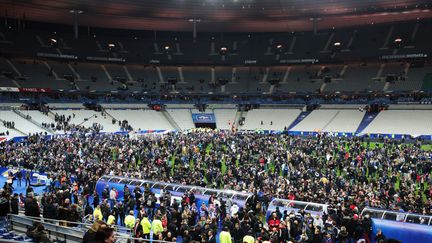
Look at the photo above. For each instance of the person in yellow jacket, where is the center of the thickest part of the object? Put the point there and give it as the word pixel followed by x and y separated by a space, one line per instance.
pixel 225 236
pixel 130 220
pixel 97 213
pixel 111 220
pixel 156 226
pixel 146 227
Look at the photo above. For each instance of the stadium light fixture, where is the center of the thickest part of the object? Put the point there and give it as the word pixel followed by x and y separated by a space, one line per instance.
pixel 223 50
pixel 76 11
pixel 398 40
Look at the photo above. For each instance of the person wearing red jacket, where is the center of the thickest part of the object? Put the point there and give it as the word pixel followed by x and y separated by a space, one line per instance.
pixel 273 222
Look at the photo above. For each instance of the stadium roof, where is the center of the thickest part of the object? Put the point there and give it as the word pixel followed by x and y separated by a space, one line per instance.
pixel 219 15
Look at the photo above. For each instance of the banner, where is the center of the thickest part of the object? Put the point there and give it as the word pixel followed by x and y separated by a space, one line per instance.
pixel 293 61
pixel 106 59
pixel 9 89
pixel 53 55
pixel 154 61
pixel 203 118
pixel 250 62
pixel 403 56
pixel 35 90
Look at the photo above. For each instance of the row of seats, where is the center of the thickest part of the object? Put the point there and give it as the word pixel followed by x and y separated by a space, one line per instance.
pixel 6 234
pixel 192 79
pixel 413 122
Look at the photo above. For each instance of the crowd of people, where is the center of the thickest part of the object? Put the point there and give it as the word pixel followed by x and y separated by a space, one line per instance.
pixel 63 123
pixel 9 124
pixel 348 174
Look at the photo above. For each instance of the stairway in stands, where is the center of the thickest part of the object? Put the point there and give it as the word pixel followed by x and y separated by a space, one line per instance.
pixel 300 118
pixel 367 119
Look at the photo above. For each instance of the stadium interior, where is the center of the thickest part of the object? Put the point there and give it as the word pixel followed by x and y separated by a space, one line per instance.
pixel 228 121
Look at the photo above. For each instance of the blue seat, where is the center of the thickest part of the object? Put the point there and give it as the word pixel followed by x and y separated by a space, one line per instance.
pixel 7 236
pixel 19 238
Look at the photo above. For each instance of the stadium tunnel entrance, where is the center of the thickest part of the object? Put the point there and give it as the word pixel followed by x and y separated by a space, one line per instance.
pixel 205 125
pixel 204 120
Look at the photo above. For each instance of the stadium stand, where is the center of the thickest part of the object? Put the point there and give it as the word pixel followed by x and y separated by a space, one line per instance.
pixel 183 117
pixel 410 122
pixel 344 121
pixel 22 125
pixel 269 119
pixel 142 119
pixel 331 121
pixel 225 118
pixel 317 134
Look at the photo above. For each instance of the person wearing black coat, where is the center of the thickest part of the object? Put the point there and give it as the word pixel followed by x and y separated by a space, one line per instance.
pixel 88 210
pixel 105 208
pixel 105 193
pixel 211 237
pixel 14 204
pixel 122 213
pixel 31 207
pixel 237 233
pixel 50 211
pixel 95 199
pixel 4 204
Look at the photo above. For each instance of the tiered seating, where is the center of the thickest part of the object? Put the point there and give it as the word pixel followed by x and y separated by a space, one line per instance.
pixel 146 76
pixel 272 119
pixel 183 118
pixel 86 118
pixel 414 79
pixel 20 123
pixel 38 116
pixel 241 81
pixel 255 79
pixel 12 132
pixel 344 121
pixel 413 122
pixel 5 69
pixel 142 119
pixel 60 68
pixel 93 77
pixel 198 77
pixel 301 79
pixel 358 77
pixel 38 75
pixel 6 234
pixel 349 77
pixel 320 120
pixel 224 118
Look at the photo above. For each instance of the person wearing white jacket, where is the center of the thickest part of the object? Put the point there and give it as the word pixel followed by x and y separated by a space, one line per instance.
pixel 112 197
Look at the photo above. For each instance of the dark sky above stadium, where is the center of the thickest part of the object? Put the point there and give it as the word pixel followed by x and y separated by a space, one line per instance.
pixel 219 15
